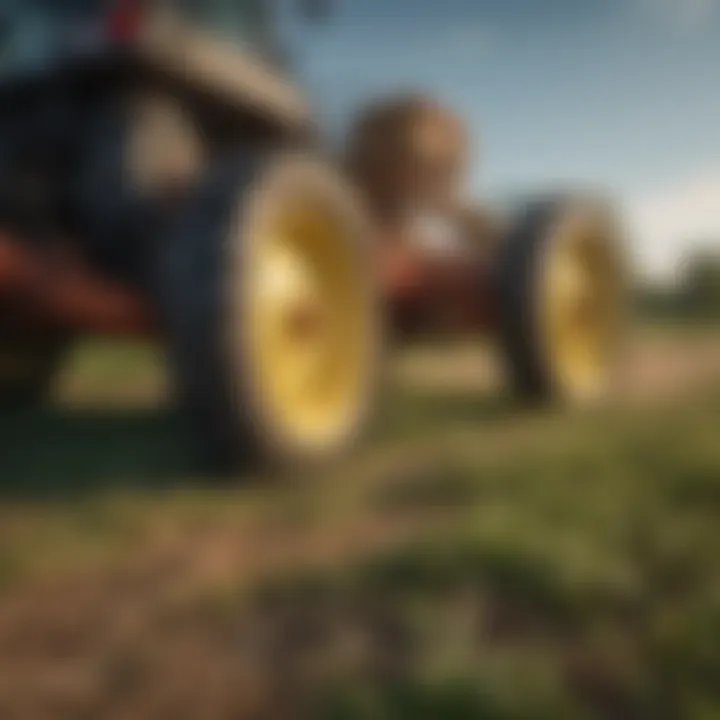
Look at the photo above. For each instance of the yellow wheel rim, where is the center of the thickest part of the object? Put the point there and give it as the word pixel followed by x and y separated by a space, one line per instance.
pixel 308 324
pixel 580 304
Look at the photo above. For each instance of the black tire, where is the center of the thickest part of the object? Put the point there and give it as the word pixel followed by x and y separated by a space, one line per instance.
pixel 136 152
pixel 535 374
pixel 29 363
pixel 200 262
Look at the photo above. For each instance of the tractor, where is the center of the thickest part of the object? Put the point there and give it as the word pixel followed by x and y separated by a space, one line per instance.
pixel 161 176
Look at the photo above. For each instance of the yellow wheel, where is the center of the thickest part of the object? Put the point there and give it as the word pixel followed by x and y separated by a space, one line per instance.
pixel 562 301
pixel 278 346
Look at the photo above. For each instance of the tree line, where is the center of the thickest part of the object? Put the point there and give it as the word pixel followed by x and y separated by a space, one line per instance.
pixel 695 297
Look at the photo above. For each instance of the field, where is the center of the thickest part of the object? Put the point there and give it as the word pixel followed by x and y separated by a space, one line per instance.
pixel 473 561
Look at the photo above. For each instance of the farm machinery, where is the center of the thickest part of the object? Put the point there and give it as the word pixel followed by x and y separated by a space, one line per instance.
pixel 160 177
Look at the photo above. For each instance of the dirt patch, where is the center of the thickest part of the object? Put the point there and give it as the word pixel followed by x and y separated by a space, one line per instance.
pixel 671 367
pixel 653 367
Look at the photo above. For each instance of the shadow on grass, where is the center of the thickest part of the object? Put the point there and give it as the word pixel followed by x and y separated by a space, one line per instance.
pixel 56 452
pixel 404 414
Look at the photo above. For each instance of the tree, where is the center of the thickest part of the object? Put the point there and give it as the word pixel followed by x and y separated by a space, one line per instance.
pixel 700 290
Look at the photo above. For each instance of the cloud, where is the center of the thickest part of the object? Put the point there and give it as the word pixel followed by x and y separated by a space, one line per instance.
pixel 668 225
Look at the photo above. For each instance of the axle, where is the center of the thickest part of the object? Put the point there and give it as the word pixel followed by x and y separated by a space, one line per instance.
pixel 422 293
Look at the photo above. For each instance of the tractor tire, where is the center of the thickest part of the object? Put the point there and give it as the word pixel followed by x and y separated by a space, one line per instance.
pixel 138 152
pixel 561 301
pixel 28 366
pixel 267 293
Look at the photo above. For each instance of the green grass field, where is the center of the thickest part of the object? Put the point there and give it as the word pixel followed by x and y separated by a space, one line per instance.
pixel 471 562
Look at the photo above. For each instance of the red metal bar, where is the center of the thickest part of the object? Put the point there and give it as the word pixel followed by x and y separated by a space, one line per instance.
pixel 61 291
pixel 435 294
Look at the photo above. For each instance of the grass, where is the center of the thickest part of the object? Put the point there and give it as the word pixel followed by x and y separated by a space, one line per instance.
pixel 578 578
pixel 470 563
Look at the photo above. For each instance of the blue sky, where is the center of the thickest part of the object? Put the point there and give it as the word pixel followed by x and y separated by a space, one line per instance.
pixel 622 94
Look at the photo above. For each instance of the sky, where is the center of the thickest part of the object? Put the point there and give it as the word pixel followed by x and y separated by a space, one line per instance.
pixel 622 95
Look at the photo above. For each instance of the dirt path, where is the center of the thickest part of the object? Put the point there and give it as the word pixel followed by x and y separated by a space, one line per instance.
pixel 665 367
pixel 658 366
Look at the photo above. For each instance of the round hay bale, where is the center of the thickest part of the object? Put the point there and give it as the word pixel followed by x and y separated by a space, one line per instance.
pixel 408 153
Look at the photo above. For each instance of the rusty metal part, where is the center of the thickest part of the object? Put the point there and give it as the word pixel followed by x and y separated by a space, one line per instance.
pixel 434 295
pixel 61 292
